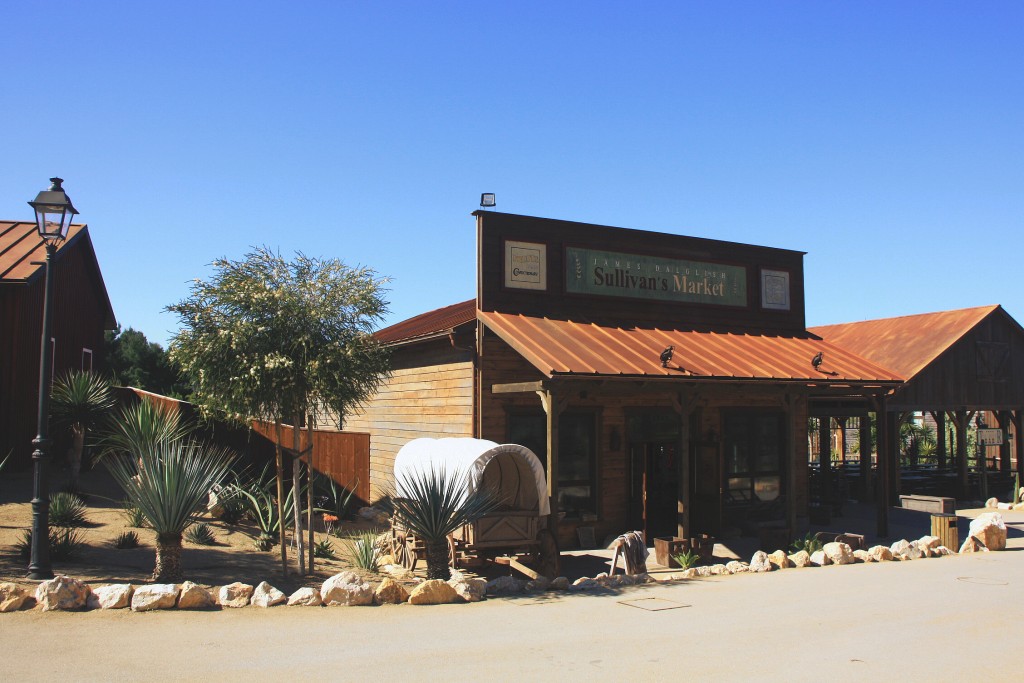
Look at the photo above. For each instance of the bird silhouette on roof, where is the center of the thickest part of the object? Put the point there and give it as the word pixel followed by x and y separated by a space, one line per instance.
pixel 818 358
pixel 666 356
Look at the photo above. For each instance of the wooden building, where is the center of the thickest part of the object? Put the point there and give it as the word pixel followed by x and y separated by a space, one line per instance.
pixel 81 312
pixel 665 380
pixel 956 365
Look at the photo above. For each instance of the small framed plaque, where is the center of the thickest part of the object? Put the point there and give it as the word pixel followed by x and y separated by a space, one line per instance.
pixel 775 290
pixel 526 265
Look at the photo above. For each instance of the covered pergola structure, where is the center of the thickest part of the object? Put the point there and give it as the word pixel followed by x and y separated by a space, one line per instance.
pixel 956 366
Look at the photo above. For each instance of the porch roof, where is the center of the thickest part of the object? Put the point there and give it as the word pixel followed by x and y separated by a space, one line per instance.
pixel 581 349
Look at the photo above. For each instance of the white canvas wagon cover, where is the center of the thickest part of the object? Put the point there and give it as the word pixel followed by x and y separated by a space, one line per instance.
pixel 510 470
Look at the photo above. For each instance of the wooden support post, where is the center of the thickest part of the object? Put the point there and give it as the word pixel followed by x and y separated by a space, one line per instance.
pixel 865 456
pixel 1003 416
pixel 940 437
pixel 825 459
pixel 882 494
pixel 279 462
pixel 684 407
pixel 552 409
pixel 790 451
pixel 960 419
pixel 1018 442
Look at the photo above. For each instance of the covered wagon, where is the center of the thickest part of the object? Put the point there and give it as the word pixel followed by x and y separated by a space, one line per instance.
pixel 517 531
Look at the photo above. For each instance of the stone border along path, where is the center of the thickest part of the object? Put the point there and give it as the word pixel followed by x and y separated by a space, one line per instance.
pixel 987 532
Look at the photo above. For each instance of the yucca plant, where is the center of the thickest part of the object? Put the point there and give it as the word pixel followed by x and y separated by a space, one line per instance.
pixel 810 543
pixel 80 400
pixel 200 534
pixel 65 544
pixel 687 559
pixel 137 428
pixel 167 477
pixel 324 549
pixel 132 514
pixel 261 506
pixel 433 504
pixel 362 551
pixel 66 510
pixel 126 540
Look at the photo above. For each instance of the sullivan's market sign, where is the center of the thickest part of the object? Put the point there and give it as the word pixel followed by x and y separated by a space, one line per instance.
pixel 606 273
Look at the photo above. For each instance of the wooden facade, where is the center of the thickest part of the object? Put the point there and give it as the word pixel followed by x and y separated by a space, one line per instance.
pixel 716 445
pixel 81 313
pixel 429 393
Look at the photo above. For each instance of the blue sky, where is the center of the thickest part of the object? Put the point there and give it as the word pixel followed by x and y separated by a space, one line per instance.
pixel 884 139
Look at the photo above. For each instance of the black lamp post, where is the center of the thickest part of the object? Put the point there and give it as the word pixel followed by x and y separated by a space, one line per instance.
pixel 54 213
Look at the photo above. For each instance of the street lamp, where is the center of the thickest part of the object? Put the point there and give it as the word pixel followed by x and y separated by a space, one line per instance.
pixel 54 213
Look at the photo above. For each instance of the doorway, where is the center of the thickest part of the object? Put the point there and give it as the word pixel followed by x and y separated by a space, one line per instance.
pixel 653 439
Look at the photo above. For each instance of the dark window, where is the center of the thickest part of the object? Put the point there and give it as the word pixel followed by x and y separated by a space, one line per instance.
pixel 753 444
pixel 577 455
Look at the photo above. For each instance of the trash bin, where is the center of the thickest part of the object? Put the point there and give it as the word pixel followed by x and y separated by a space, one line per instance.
pixel 945 527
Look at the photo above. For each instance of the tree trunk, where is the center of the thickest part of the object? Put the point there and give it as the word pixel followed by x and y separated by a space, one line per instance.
pixel 77 446
pixel 309 491
pixel 437 561
pixel 297 494
pixel 279 461
pixel 168 559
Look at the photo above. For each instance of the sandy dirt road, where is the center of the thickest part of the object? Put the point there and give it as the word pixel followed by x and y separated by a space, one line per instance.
pixel 944 619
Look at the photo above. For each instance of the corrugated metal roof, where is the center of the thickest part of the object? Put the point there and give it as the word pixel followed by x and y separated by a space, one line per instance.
pixel 909 343
pixel 562 347
pixel 21 245
pixel 428 324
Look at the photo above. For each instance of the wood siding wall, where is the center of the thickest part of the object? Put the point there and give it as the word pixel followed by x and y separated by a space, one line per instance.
pixel 429 394
pixel 500 364
pixel 972 373
pixel 78 319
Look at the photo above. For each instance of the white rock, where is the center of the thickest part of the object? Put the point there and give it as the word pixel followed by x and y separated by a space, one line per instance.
pixel 736 567
pixel 194 596
pixel 800 558
pixel 941 551
pixel 929 542
pixel 266 595
pixel 1004 506
pixel 861 555
pixel 559 583
pixel 505 585
pixel 690 573
pixel 433 592
pixel 704 571
pixel 62 593
pixel 718 569
pixel 114 596
pixel 585 584
pixel 12 597
pixel 235 594
pixel 838 553
pixel 760 562
pixel 990 529
pixel 879 553
pixel 305 597
pixel 819 558
pixel 346 589
pixel 155 596
pixel 900 549
pixel 780 560
pixel 992 503
pixel 390 592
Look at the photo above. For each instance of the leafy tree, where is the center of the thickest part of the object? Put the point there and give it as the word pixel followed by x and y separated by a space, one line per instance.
pixel 80 400
pixel 166 475
pixel 134 361
pixel 268 339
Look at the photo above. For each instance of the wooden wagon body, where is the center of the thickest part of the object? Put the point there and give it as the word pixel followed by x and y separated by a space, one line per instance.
pixel 515 532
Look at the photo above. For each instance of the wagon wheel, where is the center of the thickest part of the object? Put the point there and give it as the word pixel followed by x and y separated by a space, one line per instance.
pixel 549 560
pixel 404 551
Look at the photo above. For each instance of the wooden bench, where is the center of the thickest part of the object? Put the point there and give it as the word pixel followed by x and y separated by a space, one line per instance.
pixel 933 504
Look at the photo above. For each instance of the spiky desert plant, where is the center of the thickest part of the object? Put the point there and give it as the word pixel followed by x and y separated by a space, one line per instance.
pixel 809 543
pixel 66 510
pixel 324 549
pixel 200 534
pixel 687 559
pixel 136 428
pixel 80 400
pixel 168 479
pixel 65 544
pixel 126 540
pixel 133 514
pixel 434 503
pixel 362 551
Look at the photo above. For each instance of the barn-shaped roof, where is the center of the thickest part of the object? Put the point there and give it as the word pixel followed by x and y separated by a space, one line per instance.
pixel 966 358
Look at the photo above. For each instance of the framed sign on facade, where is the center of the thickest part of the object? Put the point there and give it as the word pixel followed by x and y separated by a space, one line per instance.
pixel 775 290
pixel 526 265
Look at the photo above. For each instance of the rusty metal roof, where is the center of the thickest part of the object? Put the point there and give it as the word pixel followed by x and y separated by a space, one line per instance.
pixel 429 324
pixel 909 343
pixel 562 347
pixel 22 249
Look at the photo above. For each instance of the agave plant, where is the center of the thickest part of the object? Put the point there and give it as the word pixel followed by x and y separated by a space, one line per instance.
pixel 137 428
pixel 433 504
pixel 66 510
pixel 809 543
pixel 80 400
pixel 167 478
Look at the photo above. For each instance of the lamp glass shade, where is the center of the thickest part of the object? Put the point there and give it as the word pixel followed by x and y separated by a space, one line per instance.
pixel 54 212
pixel 487 199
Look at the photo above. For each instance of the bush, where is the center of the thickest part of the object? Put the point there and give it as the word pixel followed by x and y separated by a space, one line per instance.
pixel 809 543
pixel 65 544
pixel 324 549
pixel 66 510
pixel 126 540
pixel 134 515
pixel 687 559
pixel 200 534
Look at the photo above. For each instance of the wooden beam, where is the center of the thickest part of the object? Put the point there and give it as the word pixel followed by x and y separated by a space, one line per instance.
pixel 516 564
pixel 789 408
pixel 884 448
pixel 552 410
pixel 518 387
pixel 684 405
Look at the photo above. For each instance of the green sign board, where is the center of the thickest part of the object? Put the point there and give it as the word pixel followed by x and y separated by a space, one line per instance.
pixel 606 273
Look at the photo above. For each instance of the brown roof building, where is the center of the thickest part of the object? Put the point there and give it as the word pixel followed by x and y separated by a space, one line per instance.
pixel 81 313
